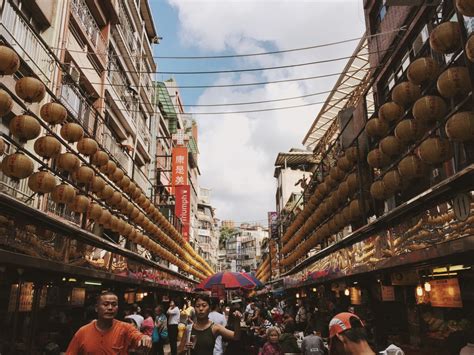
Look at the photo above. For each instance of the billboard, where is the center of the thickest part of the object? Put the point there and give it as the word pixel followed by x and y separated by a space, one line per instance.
pixel 179 166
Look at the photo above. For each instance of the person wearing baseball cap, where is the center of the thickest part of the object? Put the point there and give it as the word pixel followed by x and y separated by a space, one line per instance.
pixel 347 336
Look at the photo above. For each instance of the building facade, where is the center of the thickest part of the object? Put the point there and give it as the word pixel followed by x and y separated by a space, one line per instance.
pixel 207 242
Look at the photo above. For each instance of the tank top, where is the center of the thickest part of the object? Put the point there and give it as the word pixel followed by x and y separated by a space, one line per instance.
pixel 205 341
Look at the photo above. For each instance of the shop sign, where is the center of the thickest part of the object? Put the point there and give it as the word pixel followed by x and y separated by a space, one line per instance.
pixel 406 278
pixel 445 293
pixel 26 297
pixel 388 293
pixel 179 166
pixel 218 291
pixel 78 296
pixel 462 206
pixel 182 208
pixel 273 224
pixel 356 295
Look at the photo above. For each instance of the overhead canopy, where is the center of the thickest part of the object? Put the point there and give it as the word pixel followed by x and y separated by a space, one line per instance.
pixel 347 91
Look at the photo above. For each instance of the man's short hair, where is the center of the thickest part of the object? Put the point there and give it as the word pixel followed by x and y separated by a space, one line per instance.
pixel 105 293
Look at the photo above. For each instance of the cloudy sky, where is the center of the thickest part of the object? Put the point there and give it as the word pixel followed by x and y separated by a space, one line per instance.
pixel 238 151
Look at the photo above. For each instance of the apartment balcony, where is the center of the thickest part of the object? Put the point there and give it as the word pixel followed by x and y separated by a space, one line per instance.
pixel 91 31
pixel 116 150
pixel 26 42
pixel 75 102
pixel 142 181
pixel 144 139
pixel 127 39
pixel 17 188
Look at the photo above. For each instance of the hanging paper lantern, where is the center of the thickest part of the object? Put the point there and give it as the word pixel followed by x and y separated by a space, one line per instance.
pixel 446 37
pixel 17 166
pixel 411 167
pixel 460 127
pixel 392 182
pixel 435 150
pixel 105 217
pixel 343 191
pixel 124 183
pixel 408 131
pixel 6 102
pixel 9 61
pixel 355 210
pixel 47 147
pixel 94 212
pixel 145 205
pixel 351 154
pixel 391 111
pixel 375 127
pixel 83 175
pixel 53 113
pixel 136 193
pixel 130 189
pixel 68 162
pixel 423 70
pixel 454 81
pixel 391 146
pixel 378 191
pixel 106 193
pixel 353 183
pixel 117 175
pixel 25 127
pixel 134 214
pixel 336 173
pixel 30 89
pixel 344 163
pixel 63 194
pixel 429 109
pixel 115 199
pixel 465 7
pixel 108 168
pixel 100 158
pixel 330 181
pixel 42 182
pixel 113 223
pixel 377 159
pixel 469 50
pixel 97 184
pixel 87 146
pixel 79 204
pixel 2 146
pixel 406 93
pixel 72 132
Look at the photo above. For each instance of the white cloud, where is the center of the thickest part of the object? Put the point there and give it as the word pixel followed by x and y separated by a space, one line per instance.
pixel 238 151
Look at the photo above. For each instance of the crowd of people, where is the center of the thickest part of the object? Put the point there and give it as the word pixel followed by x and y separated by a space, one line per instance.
pixel 206 326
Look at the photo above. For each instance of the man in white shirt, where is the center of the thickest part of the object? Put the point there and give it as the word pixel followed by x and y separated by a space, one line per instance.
pixel 173 321
pixel 218 318
pixel 135 316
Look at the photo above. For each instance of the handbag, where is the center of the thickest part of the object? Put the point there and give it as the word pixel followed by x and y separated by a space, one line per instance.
pixel 164 334
pixel 155 336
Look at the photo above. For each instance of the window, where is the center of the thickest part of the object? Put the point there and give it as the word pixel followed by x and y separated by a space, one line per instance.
pixel 378 14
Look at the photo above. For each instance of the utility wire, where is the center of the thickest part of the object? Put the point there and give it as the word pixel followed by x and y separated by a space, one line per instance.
pixel 403 28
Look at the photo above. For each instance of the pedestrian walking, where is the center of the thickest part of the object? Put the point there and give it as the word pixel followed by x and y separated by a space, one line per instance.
pixel 161 329
pixel 106 335
pixel 218 318
pixel 204 331
pixel 312 343
pixel 347 336
pixel 173 321
pixel 272 346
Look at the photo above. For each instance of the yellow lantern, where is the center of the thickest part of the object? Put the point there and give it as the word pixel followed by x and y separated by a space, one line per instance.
pixel 336 173
pixel 377 159
pixel 429 109
pixel 391 111
pixel 375 127
pixel 94 212
pixel 423 70
pixel 124 183
pixel 446 37
pixel 343 191
pixel 68 162
pixel 355 210
pixel 353 183
pixel 6 102
pixel 351 154
pixel 97 184
pixel 83 175
pixel 72 132
pixel 25 127
pixel 435 150
pixel 377 190
pixel 108 168
pixel 392 182
pixel 63 194
pixel 9 61
pixel 30 89
pixel 465 7
pixel 406 93
pixel 344 163
pixel 47 147
pixel 42 182
pixel 469 50
pixel 53 113
pixel 117 175
pixel 115 199
pixel 100 158
pixel 79 204
pixel 460 127
pixel 105 217
pixel 391 146
pixel 454 81
pixel 17 166
pixel 87 146
pixel 411 167
pixel 409 130
pixel 2 146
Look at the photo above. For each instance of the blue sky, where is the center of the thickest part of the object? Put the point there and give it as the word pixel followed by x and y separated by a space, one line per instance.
pixel 238 151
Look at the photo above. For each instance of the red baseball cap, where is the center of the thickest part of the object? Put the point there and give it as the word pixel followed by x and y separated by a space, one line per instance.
pixel 341 322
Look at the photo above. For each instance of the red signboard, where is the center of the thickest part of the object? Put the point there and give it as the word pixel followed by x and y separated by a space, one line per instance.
pixel 179 166
pixel 182 208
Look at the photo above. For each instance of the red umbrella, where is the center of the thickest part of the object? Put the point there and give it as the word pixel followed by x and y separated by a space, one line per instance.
pixel 231 280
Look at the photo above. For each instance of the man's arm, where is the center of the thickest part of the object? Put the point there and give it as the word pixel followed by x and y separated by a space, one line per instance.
pixel 75 344
pixel 137 338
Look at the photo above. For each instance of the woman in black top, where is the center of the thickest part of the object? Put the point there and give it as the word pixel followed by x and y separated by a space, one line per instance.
pixel 206 331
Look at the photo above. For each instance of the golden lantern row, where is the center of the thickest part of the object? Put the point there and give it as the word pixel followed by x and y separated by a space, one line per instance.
pixel 446 37
pixel 30 89
pixel 9 61
pixel 465 7
pixel 6 102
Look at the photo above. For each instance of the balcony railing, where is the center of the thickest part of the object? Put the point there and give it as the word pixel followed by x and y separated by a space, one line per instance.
pixel 25 41
pixel 142 181
pixel 128 33
pixel 144 133
pixel 16 188
pixel 115 150
pixel 84 17
pixel 63 211
pixel 78 105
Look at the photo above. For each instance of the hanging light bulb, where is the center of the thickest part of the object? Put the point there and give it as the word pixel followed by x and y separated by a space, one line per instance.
pixel 427 286
pixel 314 289
pixel 297 295
pixel 347 292
pixel 419 291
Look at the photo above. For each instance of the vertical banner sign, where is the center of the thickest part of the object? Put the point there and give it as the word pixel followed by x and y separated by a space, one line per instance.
pixel 179 166
pixel 182 208
pixel 273 224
